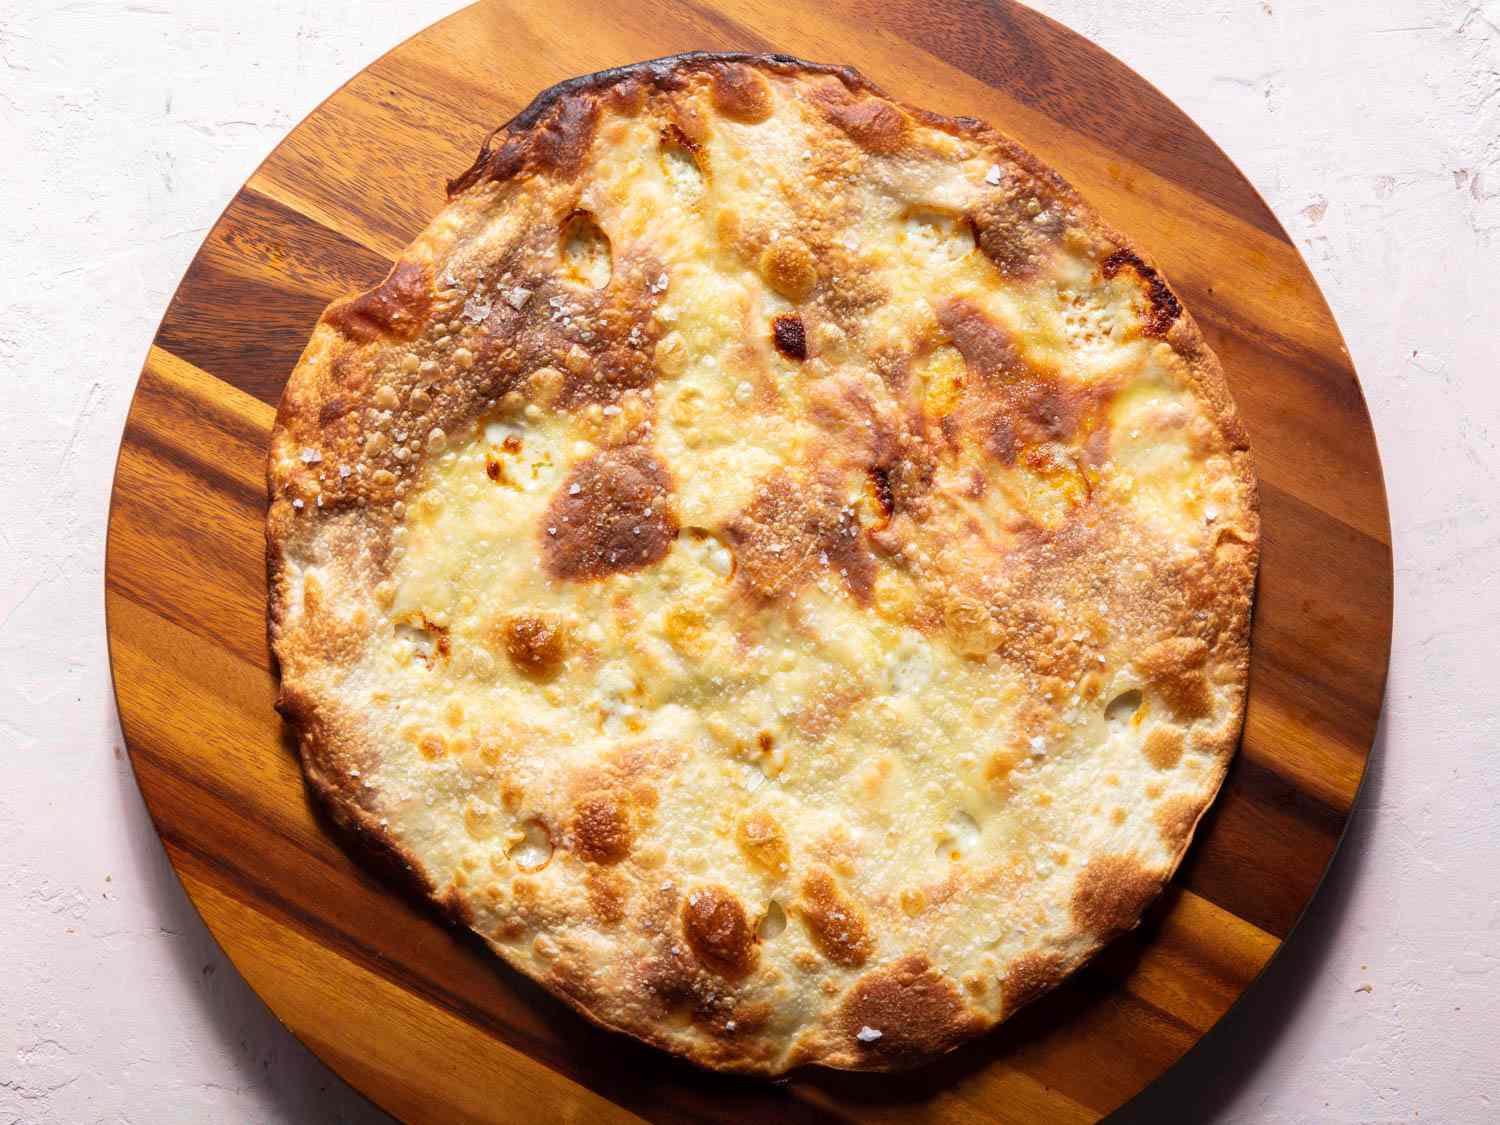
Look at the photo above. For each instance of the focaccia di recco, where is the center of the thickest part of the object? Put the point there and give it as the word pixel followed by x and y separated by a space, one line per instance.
pixel 770 561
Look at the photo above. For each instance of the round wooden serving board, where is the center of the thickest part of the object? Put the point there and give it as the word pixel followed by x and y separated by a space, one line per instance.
pixel 424 1020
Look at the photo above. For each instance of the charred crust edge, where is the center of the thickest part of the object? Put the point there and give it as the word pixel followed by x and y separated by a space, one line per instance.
pixel 664 74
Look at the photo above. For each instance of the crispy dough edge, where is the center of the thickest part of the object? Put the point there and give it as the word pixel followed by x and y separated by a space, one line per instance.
pixel 325 760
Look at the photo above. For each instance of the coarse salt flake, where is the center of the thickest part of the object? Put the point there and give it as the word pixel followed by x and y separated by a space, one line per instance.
pixel 992 177
pixel 868 1034
pixel 476 308
pixel 311 457
pixel 574 489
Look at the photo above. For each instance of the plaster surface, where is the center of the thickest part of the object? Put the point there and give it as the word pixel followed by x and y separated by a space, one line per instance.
pixel 1373 130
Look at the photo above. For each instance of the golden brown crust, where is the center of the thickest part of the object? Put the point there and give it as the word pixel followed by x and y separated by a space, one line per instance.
pixel 714 922
pixel 1110 894
pixel 836 925
pixel 613 514
pixel 1030 976
pixel 916 1011
pixel 952 484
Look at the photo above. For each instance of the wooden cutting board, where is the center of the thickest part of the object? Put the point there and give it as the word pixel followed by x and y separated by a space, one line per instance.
pixel 423 1019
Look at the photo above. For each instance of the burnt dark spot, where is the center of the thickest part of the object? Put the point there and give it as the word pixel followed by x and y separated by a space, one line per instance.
pixel 880 481
pixel 612 514
pixel 718 931
pixel 789 336
pixel 1000 439
pixel 916 1009
pixel 1165 308
pixel 601 829
pixel 1014 405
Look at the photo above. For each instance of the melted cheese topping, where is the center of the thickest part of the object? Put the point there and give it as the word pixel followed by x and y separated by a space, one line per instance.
pixel 877 613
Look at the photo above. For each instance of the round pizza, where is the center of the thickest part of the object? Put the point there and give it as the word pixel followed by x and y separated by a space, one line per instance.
pixel 770 561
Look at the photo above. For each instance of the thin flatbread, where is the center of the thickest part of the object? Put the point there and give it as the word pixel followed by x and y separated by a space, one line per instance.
pixel 770 561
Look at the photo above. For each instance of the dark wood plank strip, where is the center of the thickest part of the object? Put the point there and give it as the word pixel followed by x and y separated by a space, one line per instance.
pixel 248 302
pixel 375 164
pixel 1261 849
pixel 187 533
pixel 447 1072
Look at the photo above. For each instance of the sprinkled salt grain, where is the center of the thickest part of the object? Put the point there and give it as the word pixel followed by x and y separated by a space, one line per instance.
pixel 729 1025
pixel 611 410
pixel 992 177
pixel 1209 515
pixel 297 504
pixel 574 489
pixel 660 284
pixel 344 471
pixel 476 308
pixel 1038 744
pixel 552 531
pixel 867 1034
pixel 311 457
pixel 517 297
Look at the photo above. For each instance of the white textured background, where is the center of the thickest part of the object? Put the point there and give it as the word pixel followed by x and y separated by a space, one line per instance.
pixel 1373 129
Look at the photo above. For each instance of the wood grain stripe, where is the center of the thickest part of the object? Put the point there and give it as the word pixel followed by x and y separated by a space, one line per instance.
pixel 1270 841
pixel 314 987
pixel 265 258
